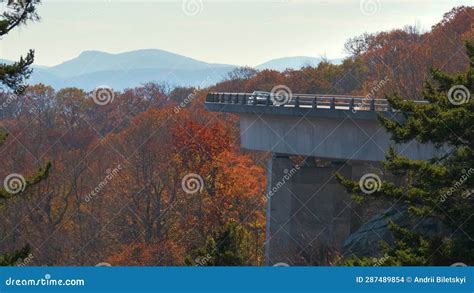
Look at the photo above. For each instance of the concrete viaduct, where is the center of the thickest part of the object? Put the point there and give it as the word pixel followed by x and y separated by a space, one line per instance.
pixel 309 214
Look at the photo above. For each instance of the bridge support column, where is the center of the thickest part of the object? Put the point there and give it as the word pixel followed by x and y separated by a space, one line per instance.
pixel 278 215
pixel 309 214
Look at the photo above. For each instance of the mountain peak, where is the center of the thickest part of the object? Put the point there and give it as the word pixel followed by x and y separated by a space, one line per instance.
pixel 93 61
pixel 92 53
pixel 294 62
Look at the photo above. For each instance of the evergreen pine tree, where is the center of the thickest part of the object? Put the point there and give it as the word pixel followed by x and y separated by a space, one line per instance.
pixel 226 247
pixel 12 78
pixel 441 188
pixel 17 12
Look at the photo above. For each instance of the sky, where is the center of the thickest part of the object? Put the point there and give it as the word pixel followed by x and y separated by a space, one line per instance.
pixel 226 31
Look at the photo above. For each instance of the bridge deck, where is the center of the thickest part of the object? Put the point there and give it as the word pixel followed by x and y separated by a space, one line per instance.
pixel 324 106
pixel 334 127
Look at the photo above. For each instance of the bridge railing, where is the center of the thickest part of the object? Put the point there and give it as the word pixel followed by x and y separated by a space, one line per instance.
pixel 335 102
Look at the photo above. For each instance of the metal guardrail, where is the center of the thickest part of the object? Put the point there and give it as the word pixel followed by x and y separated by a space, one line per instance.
pixel 334 102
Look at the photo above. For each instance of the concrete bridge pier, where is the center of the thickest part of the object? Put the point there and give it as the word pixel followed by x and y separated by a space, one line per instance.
pixel 278 222
pixel 309 214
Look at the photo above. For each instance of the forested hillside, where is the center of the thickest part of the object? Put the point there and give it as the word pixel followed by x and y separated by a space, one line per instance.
pixel 143 176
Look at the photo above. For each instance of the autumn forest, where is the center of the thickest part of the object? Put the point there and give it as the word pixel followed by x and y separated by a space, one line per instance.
pixel 113 190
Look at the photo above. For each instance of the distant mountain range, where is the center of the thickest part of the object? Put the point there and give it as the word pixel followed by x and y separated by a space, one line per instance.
pixel 124 70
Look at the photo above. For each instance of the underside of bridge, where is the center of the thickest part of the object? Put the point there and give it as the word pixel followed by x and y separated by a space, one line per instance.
pixel 310 217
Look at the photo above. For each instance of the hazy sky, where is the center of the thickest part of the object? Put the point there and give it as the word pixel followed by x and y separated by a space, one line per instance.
pixel 233 32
